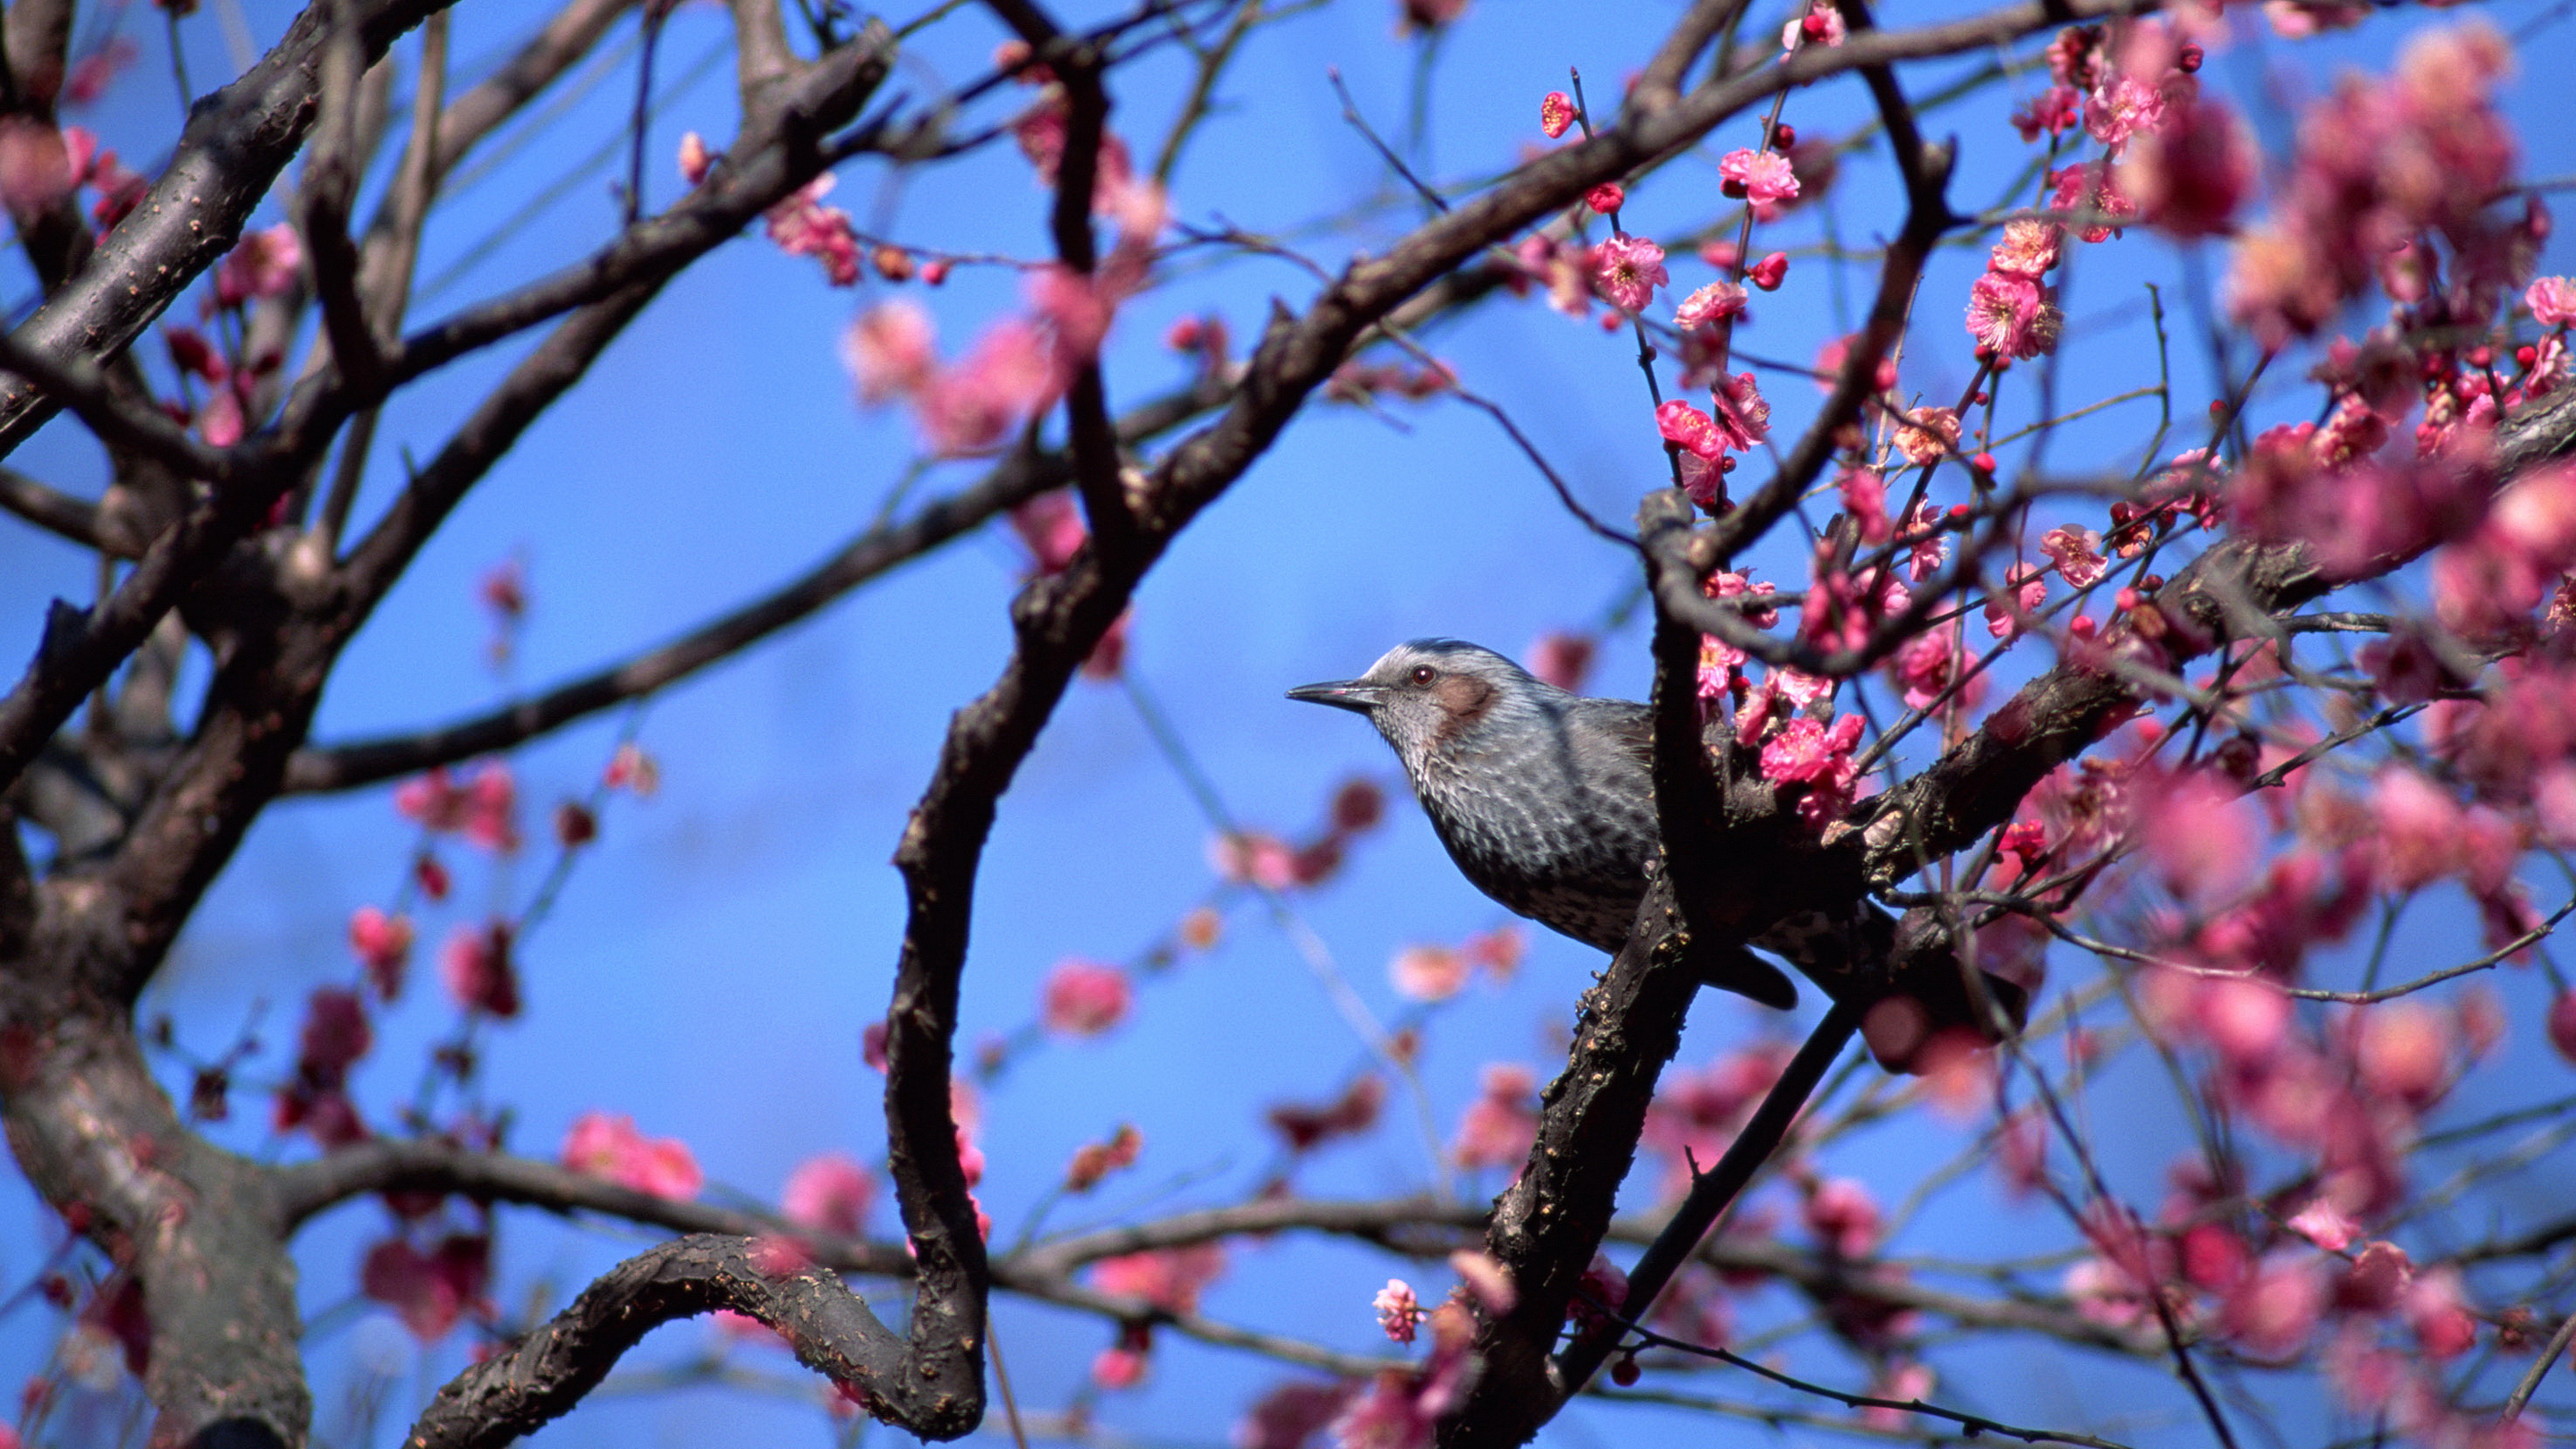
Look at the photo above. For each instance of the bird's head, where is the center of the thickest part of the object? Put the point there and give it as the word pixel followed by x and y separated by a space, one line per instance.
pixel 1429 696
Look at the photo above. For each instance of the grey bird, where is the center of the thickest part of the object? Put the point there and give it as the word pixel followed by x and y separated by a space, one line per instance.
pixel 1544 798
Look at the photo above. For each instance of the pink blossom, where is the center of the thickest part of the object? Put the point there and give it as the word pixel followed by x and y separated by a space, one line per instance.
pixel 2403 1051
pixel 600 1145
pixel 889 350
pixel 1562 659
pixel 1709 305
pixel 2025 587
pixel 695 159
pixel 1817 23
pixel 263 264
pixel 1254 857
pixel 36 169
pixel 1051 525
pixel 2206 843
pixel 2077 553
pixel 2245 1018
pixel 1293 1415
pixel 2379 1279
pixel 2271 1313
pixel 803 227
pixel 1118 1367
pixel 1169 1278
pixel 1925 435
pixel 1398 1311
pixel 2190 175
pixel 2029 248
pixel 1084 998
pixel 1427 973
pixel 1905 1382
pixel 1769 272
pixel 2091 199
pixel 2057 109
pixel 1555 113
pixel 2012 316
pixel 1626 270
pixel 1698 434
pixel 1606 198
pixel 1742 417
pixel 1501 1123
pixel 1009 376
pixel 1865 499
pixel 220 422
pixel 830 1193
pixel 2324 1224
pixel 1818 756
pixel 2562 1023
pixel 2552 301
pixel 383 945
pixel 2121 107
pixel 431 1290
pixel 1488 1282
pixel 475 964
pixel 1924 668
pixel 1841 1213
pixel 2439 1316
pixel 1759 176
pixel 2419 828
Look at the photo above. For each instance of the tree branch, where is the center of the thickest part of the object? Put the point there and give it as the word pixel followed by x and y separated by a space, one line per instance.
pixel 829 1328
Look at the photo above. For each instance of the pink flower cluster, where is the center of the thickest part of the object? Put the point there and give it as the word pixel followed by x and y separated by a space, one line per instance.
pixel 2377 166
pixel 433 1288
pixel 1259 858
pixel 1085 998
pixel 2012 312
pixel 1501 1123
pixel 603 1146
pixel 485 809
pixel 1436 973
pixel 1739 417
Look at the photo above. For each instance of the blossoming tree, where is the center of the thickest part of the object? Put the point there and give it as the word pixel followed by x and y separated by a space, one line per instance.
pixel 2184 826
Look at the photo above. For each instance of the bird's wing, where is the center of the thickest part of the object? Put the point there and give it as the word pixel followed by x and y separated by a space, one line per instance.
pixel 1631 727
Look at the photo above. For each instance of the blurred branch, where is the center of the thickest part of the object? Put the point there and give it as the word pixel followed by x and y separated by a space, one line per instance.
pixel 50 509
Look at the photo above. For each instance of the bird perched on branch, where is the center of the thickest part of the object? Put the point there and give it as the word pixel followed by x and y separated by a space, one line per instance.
pixel 1545 799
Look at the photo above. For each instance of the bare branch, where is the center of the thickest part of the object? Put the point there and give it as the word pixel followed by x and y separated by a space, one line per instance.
pixel 51 509
pixel 829 1328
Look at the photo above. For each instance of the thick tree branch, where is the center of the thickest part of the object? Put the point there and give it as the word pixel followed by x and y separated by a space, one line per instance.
pixel 829 1328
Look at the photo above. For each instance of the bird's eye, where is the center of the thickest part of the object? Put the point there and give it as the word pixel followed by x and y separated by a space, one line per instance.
pixel 1424 674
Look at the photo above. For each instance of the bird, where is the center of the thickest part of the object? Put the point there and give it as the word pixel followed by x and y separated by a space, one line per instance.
pixel 1544 798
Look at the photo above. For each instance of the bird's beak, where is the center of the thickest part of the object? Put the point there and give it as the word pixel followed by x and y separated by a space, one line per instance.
pixel 1355 695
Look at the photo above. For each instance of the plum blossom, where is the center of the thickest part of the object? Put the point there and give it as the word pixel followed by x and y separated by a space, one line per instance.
pixel 2552 301
pixel 600 1145
pixel 1817 22
pixel 1094 1161
pixel 2012 316
pixel 1841 1212
pixel 264 264
pixel 383 946
pixel 476 966
pixel 1762 177
pixel 890 350
pixel 2025 586
pixel 803 227
pixel 1169 1278
pixel 1562 659
pixel 1501 1123
pixel 1555 113
pixel 1428 973
pixel 1769 272
pixel 430 1290
pixel 1626 270
pixel 2029 248
pixel 1398 1311
pixel 1085 998
pixel 2190 175
pixel 2076 553
pixel 1708 306
pixel 1742 417
pixel 830 1193
pixel 1864 493
pixel 1818 756
pixel 695 159
pixel 1925 435
pixel 1008 376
